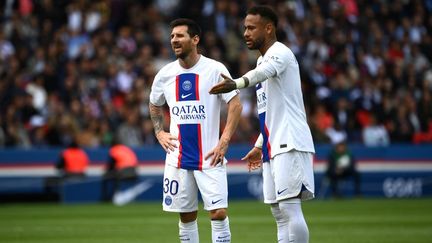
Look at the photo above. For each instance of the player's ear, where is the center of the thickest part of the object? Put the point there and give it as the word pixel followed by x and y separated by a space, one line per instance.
pixel 196 39
pixel 269 28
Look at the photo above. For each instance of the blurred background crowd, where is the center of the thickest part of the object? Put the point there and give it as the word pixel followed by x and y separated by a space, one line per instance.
pixel 82 69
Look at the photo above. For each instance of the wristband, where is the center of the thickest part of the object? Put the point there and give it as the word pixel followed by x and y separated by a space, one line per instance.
pixel 242 82
pixel 259 142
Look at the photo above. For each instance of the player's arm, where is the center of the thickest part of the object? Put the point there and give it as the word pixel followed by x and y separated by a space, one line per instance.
pixel 165 139
pixel 250 79
pixel 269 67
pixel 254 156
pixel 234 112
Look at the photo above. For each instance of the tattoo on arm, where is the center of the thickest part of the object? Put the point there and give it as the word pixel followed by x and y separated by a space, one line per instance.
pixel 156 115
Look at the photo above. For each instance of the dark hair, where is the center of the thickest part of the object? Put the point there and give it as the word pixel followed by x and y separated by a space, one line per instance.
pixel 265 12
pixel 193 27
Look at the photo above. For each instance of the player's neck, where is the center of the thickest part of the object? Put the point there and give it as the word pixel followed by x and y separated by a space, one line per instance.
pixel 267 44
pixel 190 60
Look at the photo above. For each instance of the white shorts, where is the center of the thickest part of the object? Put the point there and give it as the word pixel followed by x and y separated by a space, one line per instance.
pixel 288 174
pixel 180 189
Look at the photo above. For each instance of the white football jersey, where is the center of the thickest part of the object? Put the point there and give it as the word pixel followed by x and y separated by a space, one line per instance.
pixel 280 104
pixel 194 113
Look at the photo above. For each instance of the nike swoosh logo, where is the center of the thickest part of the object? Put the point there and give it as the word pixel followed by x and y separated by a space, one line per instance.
pixel 185 96
pixel 223 237
pixel 279 192
pixel 214 202
pixel 121 198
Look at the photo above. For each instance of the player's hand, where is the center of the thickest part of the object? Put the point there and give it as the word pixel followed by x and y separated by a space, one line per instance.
pixel 218 153
pixel 224 86
pixel 254 159
pixel 166 140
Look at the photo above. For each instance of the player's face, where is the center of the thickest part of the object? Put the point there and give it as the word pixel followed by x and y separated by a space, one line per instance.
pixel 254 33
pixel 181 42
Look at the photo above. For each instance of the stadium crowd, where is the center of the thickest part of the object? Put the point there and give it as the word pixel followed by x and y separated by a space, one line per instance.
pixel 83 68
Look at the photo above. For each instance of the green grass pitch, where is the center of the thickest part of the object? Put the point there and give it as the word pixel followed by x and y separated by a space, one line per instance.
pixel 359 220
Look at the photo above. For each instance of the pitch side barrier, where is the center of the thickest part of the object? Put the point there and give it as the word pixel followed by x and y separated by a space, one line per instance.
pixel 394 172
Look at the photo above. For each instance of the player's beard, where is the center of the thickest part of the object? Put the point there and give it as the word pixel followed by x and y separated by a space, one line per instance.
pixel 182 55
pixel 257 43
pixel 186 50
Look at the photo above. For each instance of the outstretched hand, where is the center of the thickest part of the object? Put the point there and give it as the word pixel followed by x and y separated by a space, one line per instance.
pixel 253 158
pixel 224 86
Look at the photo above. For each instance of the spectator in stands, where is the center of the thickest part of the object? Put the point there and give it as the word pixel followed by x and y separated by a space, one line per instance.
pixel 129 132
pixel 321 121
pixel 375 134
pixel 122 167
pixel 62 51
pixel 342 165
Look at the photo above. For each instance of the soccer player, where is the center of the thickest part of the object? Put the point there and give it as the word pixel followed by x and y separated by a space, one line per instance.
pixel 195 153
pixel 285 143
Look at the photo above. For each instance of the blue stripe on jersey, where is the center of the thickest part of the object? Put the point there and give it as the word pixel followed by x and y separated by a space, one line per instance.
pixel 190 155
pixel 187 87
pixel 264 132
pixel 266 150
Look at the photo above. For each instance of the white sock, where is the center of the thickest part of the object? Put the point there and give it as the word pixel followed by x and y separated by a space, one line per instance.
pixel 297 227
pixel 188 232
pixel 221 231
pixel 281 223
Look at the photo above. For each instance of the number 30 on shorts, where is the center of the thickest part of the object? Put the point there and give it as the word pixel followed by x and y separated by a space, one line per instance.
pixel 171 186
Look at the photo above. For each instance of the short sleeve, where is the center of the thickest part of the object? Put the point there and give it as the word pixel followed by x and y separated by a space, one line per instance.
pixel 276 61
pixel 157 96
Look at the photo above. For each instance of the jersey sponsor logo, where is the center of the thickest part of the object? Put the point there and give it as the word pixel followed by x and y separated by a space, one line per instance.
pixel 214 202
pixel 189 112
pixel 261 99
pixel 262 108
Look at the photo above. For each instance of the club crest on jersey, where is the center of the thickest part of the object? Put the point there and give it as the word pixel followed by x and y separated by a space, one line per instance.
pixel 187 85
pixel 168 200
